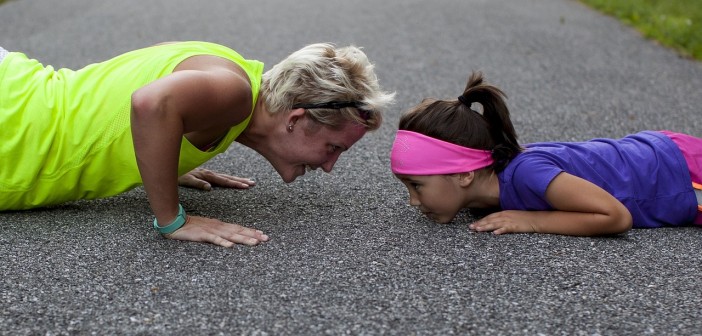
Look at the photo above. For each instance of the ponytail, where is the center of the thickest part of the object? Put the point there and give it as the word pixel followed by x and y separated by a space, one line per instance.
pixel 454 121
pixel 496 114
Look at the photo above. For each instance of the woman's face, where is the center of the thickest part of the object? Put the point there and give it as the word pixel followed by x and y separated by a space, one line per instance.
pixel 310 145
pixel 439 197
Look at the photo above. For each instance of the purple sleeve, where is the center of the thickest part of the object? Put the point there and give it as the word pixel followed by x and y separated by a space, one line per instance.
pixel 530 178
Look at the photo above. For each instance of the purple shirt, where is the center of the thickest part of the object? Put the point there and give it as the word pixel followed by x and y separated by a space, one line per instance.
pixel 645 171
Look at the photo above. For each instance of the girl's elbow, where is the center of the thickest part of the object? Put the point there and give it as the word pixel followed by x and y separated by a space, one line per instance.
pixel 623 221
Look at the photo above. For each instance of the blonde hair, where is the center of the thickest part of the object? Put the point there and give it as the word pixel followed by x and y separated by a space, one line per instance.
pixel 319 74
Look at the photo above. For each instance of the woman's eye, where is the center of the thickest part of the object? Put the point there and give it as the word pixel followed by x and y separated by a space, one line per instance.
pixel 415 186
pixel 333 148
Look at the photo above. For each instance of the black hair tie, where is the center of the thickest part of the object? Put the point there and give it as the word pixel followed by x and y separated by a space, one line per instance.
pixel 465 101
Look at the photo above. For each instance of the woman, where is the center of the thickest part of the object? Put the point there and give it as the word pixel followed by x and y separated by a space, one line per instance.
pixel 153 115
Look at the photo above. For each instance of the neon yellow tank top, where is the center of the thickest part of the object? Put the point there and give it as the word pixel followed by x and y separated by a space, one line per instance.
pixel 66 134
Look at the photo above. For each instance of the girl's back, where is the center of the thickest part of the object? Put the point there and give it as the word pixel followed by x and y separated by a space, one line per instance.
pixel 645 171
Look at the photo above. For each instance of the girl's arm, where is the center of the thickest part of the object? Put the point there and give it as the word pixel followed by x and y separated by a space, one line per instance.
pixel 583 209
pixel 188 101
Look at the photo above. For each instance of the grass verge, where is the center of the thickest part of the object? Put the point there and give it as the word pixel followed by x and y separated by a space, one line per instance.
pixel 676 24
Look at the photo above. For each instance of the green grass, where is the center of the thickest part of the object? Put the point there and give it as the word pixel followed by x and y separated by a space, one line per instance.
pixel 673 23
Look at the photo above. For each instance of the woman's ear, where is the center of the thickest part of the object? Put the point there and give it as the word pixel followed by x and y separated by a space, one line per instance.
pixel 297 112
pixel 465 179
pixel 294 116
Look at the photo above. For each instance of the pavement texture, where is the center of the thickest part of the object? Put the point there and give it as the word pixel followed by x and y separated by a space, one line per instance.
pixel 348 255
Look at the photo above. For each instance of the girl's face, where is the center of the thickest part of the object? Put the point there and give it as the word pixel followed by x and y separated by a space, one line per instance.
pixel 439 197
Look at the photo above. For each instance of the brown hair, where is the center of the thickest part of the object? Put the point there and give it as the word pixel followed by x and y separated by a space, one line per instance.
pixel 454 121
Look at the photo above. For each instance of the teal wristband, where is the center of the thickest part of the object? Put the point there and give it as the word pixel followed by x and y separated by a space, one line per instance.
pixel 177 223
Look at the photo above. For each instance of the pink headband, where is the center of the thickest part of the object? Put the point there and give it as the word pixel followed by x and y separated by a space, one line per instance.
pixel 417 154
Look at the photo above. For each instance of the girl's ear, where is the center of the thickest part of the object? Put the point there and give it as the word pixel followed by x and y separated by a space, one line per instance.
pixel 465 179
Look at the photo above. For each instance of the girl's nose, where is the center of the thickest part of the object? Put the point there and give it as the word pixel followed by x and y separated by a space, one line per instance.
pixel 413 200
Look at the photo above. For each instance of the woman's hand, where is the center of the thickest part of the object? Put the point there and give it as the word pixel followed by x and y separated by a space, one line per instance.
pixel 203 179
pixel 213 231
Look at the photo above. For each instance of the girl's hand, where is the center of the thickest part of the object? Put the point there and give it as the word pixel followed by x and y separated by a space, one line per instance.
pixel 203 179
pixel 213 231
pixel 508 221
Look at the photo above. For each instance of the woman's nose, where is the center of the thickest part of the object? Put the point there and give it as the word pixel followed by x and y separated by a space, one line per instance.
pixel 329 164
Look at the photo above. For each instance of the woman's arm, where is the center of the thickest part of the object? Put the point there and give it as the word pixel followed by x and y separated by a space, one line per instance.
pixel 583 209
pixel 209 100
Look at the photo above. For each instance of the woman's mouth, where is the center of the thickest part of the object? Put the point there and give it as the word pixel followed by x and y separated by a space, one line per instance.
pixel 310 168
pixel 305 168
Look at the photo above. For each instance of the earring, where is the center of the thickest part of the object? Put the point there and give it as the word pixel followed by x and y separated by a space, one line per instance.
pixel 290 127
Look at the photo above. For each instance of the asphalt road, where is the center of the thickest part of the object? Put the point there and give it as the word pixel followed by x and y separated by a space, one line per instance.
pixel 348 255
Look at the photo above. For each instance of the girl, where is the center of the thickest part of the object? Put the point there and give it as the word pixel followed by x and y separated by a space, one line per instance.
pixel 151 116
pixel 451 157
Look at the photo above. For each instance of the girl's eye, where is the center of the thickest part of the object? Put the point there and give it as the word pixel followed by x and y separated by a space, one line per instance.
pixel 333 148
pixel 415 186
